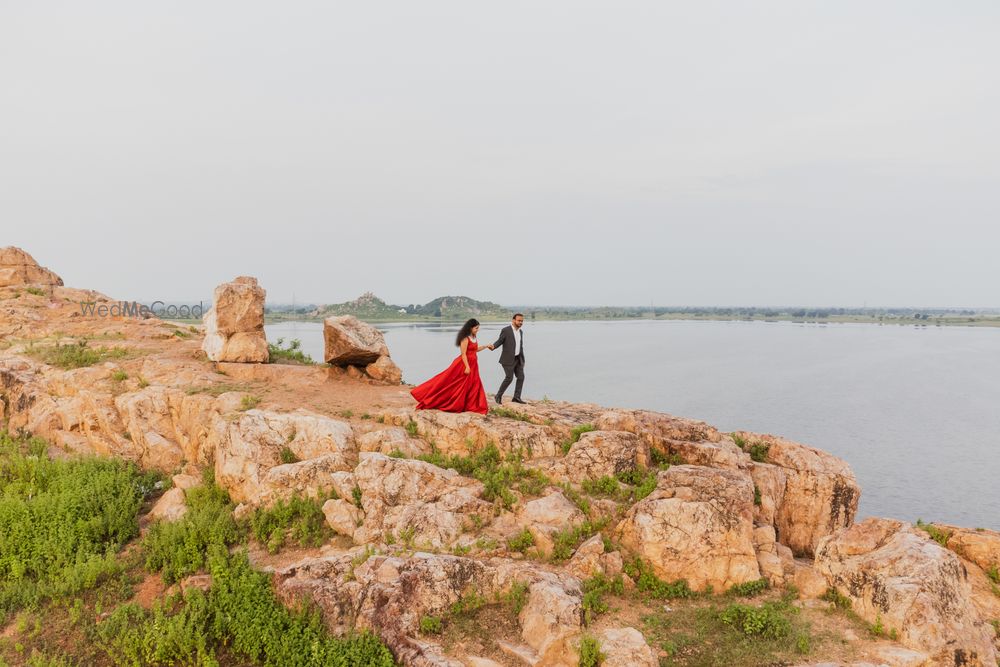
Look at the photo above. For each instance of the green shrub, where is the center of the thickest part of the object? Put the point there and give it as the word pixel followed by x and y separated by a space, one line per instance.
pixel 937 534
pixel 749 589
pixel 62 521
pixel 178 548
pixel 647 583
pixel 498 473
pixel 769 621
pixel 594 590
pixel 74 355
pixel 994 574
pixel 411 428
pixel 516 597
pixel 278 352
pixel 521 542
pixel 119 375
pixel 604 486
pixel 249 402
pixel 590 652
pixel 565 542
pixel 239 613
pixel 430 625
pixel 288 456
pixel 299 519
pixel 509 414
pixel 839 601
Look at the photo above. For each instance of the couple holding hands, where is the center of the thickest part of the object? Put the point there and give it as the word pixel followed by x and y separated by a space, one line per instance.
pixel 459 388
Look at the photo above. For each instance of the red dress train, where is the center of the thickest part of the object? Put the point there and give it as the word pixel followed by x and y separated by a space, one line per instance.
pixel 452 390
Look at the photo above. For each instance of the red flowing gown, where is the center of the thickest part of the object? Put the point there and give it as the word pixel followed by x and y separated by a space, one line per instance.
pixel 452 390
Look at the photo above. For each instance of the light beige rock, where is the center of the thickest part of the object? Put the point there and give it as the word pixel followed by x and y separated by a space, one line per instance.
pixel 18 268
pixel 311 478
pixel 415 501
pixel 392 439
pixel 463 432
pixel 342 516
pixel 546 516
pixel 234 325
pixel 384 370
pixel 551 622
pixel 247 447
pixel 810 583
pixel 587 560
pixel 626 647
pixel 350 342
pixel 893 573
pixel 600 454
pixel 171 506
pixel 769 482
pixel 697 525
pixel 820 496
pixel 655 427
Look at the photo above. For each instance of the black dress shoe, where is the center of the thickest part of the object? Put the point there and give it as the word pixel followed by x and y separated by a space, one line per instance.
pixel 518 400
pixel 498 399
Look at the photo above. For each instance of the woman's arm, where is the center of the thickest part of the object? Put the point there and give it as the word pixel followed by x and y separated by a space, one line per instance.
pixel 465 359
pixel 480 348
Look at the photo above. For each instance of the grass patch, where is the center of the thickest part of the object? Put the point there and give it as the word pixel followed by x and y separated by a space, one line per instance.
pixel 749 589
pixel 590 652
pixel 574 436
pixel 75 355
pixel 287 455
pixel 937 534
pixel 509 414
pixel 62 521
pixel 430 625
pixel 838 600
pixel 499 474
pixel 177 549
pixel 298 519
pixel 119 375
pixel 239 615
pixel 522 541
pixel 217 389
pixel 594 590
pixel 565 542
pixel 651 586
pixel 249 402
pixel 756 449
pixel 280 353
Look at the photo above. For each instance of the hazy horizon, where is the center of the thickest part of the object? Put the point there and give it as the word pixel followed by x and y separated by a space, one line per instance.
pixel 571 152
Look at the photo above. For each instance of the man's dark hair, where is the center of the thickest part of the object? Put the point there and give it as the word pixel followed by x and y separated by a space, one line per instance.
pixel 516 315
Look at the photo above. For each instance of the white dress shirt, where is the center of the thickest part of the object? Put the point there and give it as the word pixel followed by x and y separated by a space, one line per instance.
pixel 517 341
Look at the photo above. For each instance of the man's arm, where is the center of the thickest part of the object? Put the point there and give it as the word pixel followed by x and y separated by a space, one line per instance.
pixel 499 342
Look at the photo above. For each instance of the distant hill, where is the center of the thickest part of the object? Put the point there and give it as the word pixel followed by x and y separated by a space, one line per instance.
pixel 370 307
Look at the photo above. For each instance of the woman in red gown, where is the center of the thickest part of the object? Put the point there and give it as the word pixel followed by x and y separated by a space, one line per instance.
pixel 458 388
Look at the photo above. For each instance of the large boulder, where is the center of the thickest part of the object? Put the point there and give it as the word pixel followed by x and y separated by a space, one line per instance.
pixel 546 516
pixel 350 342
pixel 626 647
pixel 697 525
pixel 234 325
pixel 979 545
pixel 600 454
pixel 19 268
pixel 894 574
pixel 415 501
pixel 247 447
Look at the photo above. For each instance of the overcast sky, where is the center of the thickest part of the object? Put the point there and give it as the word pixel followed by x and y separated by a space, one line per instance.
pixel 697 152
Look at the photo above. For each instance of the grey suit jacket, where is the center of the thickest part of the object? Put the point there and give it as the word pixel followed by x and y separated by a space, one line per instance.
pixel 507 342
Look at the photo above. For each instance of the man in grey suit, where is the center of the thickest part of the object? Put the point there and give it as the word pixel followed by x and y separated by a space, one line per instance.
pixel 512 357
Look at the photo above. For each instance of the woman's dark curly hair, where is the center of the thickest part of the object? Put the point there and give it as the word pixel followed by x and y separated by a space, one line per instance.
pixel 466 329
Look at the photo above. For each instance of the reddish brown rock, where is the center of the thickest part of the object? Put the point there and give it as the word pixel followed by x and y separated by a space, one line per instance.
pixel 234 326
pixel 350 342
pixel 18 268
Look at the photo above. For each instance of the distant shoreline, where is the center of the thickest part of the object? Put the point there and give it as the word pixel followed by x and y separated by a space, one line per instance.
pixel 949 321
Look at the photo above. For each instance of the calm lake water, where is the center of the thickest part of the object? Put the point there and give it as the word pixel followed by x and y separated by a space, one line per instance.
pixel 915 411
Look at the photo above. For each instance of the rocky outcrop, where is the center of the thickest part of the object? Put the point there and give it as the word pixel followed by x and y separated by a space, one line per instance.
pixel 464 432
pixel 626 647
pixel 697 525
pixel 390 594
pixel 18 268
pixel 894 574
pixel 414 502
pixel 819 493
pixel 234 325
pixel 600 454
pixel 248 454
